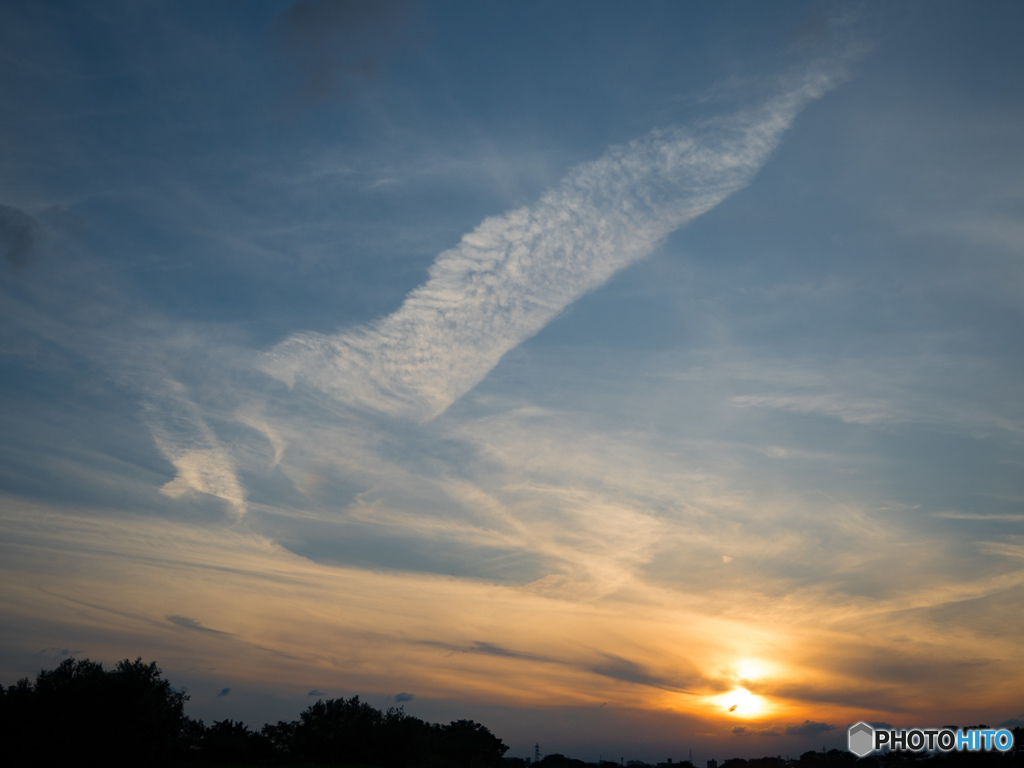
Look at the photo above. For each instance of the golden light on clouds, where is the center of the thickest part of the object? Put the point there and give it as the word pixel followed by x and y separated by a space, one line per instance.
pixel 252 609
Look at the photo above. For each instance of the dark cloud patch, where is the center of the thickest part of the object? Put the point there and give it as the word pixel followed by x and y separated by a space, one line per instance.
pixel 332 43
pixel 1015 722
pixel 864 698
pixel 614 667
pixel 877 669
pixel 54 651
pixel 315 692
pixel 280 654
pixel 19 237
pixel 358 544
pixel 224 692
pixel 491 649
pixel 404 697
pixel 186 623
pixel 739 729
pixel 628 671
pixel 809 728
pixel 94 606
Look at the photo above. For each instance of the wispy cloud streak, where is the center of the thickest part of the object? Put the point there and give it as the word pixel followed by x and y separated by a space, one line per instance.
pixel 516 272
pixel 184 438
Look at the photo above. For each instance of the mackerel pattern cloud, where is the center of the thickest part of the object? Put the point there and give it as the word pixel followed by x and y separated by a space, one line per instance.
pixel 514 273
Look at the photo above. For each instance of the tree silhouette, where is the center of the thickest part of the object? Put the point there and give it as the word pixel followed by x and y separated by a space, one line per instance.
pixel 230 741
pixel 79 714
pixel 338 731
pixel 469 744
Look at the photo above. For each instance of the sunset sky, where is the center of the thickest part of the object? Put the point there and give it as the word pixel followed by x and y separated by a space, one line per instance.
pixel 631 377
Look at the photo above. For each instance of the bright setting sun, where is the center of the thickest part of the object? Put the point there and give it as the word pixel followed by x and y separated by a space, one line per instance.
pixel 741 703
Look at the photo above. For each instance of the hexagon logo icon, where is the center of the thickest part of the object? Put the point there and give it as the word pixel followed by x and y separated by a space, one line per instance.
pixel 860 739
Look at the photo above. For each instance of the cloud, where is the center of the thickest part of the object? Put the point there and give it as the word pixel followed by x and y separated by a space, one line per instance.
pixel 224 692
pixel 628 671
pixel 202 463
pixel 332 42
pixel 739 729
pixel 186 623
pixel 490 649
pixel 836 405
pixel 809 728
pixel 1010 518
pixel 315 692
pixel 516 272
pixel 19 236
pixel 1014 722
pixel 611 666
pixel 496 650
pixel 57 652
pixel 404 696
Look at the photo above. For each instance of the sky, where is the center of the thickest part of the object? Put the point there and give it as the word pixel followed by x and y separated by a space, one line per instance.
pixel 632 378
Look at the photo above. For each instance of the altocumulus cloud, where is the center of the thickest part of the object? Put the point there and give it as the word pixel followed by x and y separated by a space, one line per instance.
pixel 516 272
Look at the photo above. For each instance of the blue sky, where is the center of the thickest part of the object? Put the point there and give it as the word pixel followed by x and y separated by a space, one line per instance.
pixel 573 367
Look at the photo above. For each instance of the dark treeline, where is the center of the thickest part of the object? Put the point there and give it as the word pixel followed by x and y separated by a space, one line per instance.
pixel 834 758
pixel 82 715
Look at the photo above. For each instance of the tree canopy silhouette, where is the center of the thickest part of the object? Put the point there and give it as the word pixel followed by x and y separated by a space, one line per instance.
pixel 81 714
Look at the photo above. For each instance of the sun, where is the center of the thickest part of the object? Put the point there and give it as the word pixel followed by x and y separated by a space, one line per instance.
pixel 741 703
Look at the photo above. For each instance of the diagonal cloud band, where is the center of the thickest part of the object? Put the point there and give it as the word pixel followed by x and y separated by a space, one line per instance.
pixel 516 272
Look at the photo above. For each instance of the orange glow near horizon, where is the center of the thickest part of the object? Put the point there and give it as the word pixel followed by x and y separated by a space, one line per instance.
pixel 273 613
